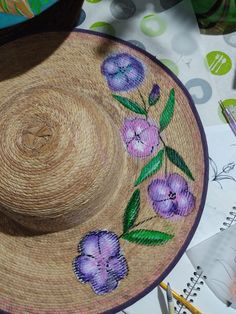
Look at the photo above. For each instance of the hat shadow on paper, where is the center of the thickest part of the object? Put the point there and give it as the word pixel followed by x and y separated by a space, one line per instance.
pixel 62 16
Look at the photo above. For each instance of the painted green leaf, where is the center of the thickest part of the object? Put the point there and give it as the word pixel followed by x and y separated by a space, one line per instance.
pixel 129 104
pixel 131 211
pixel 168 111
pixel 178 161
pixel 147 237
pixel 151 167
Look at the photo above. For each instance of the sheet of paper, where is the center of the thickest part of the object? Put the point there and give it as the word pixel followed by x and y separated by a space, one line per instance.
pixel 217 258
pixel 216 214
pixel 222 152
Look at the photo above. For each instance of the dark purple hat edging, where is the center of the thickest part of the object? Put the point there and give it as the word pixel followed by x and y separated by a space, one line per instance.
pixel 206 173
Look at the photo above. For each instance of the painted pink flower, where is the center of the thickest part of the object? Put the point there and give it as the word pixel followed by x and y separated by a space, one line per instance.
pixel 171 196
pixel 140 136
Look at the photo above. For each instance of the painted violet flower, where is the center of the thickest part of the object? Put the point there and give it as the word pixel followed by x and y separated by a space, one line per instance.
pixel 154 95
pixel 171 196
pixel 100 262
pixel 122 71
pixel 140 136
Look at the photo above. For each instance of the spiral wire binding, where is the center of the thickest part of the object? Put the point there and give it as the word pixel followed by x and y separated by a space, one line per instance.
pixel 196 281
pixel 230 219
pixel 191 290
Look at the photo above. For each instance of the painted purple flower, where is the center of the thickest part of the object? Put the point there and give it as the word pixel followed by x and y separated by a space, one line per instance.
pixel 123 72
pixel 171 196
pixel 140 136
pixel 100 262
pixel 154 95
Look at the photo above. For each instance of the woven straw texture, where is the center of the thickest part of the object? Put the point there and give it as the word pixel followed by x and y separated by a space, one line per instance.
pixel 65 171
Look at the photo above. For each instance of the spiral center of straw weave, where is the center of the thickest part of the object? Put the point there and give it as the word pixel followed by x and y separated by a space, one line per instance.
pixel 36 135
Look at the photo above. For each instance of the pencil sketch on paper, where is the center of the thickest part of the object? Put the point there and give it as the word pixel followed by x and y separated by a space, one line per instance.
pixel 217 175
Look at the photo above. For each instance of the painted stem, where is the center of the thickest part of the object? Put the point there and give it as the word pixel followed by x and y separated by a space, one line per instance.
pixel 140 223
pixel 164 144
pixel 143 101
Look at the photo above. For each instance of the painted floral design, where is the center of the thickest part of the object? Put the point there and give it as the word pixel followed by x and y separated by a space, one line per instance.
pixel 100 262
pixel 140 136
pixel 171 196
pixel 123 72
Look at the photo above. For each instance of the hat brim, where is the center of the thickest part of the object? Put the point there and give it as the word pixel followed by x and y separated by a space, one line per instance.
pixel 37 274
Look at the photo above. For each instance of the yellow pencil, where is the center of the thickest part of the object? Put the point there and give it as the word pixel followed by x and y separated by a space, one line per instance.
pixel 182 300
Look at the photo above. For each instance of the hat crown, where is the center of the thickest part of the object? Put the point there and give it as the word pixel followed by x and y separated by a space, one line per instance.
pixel 61 156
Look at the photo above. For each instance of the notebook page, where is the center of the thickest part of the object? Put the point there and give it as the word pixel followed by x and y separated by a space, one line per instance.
pixel 217 257
pixel 217 207
pixel 222 152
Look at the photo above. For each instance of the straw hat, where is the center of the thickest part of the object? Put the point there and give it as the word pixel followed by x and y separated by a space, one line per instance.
pixel 103 173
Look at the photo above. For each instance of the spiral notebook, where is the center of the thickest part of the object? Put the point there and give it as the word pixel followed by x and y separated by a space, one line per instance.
pixel 217 257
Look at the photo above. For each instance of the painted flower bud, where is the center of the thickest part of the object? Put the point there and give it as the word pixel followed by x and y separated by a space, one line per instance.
pixel 154 95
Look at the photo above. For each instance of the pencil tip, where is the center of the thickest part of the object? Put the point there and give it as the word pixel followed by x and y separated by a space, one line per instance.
pixel 228 303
